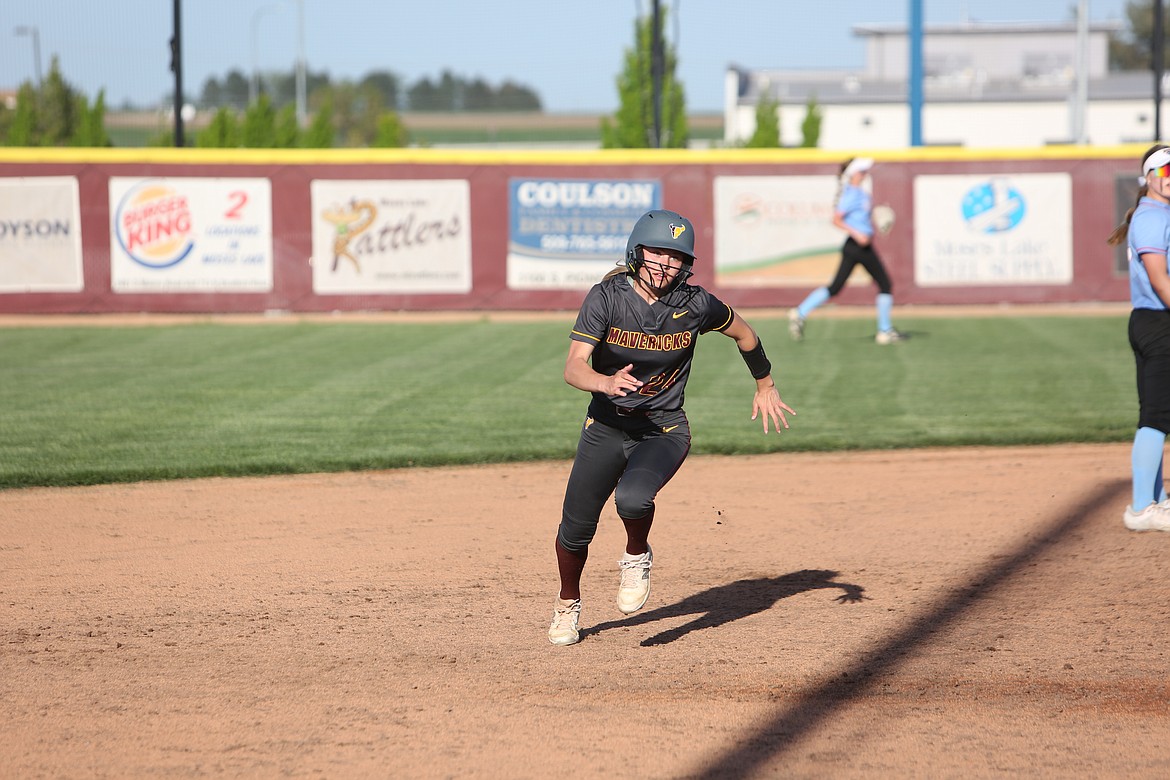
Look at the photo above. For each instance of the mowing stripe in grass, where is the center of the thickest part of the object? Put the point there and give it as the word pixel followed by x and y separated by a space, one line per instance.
pixel 92 405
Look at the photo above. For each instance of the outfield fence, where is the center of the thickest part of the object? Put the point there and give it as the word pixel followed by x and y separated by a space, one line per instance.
pixel 236 231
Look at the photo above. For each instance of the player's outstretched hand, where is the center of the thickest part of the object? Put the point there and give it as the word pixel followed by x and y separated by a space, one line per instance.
pixel 622 382
pixel 767 404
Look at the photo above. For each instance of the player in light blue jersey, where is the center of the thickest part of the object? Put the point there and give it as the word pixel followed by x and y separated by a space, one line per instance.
pixel 1146 230
pixel 853 213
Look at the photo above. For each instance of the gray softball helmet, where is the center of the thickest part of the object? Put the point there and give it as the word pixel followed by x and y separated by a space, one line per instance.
pixel 660 229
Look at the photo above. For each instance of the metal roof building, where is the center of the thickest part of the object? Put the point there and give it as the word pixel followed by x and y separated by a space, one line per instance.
pixel 985 85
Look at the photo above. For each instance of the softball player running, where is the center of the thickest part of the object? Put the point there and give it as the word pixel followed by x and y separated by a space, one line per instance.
pixel 1147 230
pixel 853 213
pixel 631 347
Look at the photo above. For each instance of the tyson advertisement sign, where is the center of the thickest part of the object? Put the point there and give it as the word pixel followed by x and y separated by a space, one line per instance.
pixel 40 235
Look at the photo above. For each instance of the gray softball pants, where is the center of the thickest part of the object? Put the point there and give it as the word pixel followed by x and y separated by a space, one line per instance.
pixel 628 457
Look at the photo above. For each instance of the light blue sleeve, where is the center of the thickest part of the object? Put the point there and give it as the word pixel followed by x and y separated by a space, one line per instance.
pixel 1149 232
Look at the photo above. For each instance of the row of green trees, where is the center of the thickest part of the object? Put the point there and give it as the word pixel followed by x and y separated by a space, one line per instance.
pixel 57 114
pixel 633 127
pixel 263 126
pixel 1134 48
pixel 767 132
pixel 53 114
pixel 448 93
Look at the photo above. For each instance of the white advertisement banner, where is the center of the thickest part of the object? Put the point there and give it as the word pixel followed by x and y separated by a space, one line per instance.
pixel 994 229
pixel 391 236
pixel 775 231
pixel 179 235
pixel 566 234
pixel 40 235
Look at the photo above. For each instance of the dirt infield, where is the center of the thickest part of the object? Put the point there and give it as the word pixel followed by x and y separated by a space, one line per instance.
pixel 921 613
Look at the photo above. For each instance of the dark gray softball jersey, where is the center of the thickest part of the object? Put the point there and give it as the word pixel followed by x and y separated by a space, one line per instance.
pixel 658 339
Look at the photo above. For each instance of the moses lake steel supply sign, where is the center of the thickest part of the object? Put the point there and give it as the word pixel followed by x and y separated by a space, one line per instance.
pixel 1006 229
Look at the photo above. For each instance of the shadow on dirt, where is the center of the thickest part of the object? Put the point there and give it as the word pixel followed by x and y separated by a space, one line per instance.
pixel 721 605
pixel 783 732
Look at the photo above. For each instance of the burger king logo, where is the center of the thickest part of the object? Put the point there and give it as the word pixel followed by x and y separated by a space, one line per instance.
pixel 153 225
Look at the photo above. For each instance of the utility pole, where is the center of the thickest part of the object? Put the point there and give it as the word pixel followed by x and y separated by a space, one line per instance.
pixel 35 34
pixel 302 108
pixel 656 68
pixel 915 72
pixel 177 67
pixel 1159 55
pixel 1077 131
pixel 254 82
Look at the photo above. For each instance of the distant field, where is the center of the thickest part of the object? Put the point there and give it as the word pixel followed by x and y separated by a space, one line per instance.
pixel 429 129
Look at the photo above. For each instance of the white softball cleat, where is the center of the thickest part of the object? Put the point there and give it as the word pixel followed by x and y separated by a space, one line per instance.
pixel 1155 517
pixel 566 616
pixel 634 588
pixel 890 336
pixel 795 325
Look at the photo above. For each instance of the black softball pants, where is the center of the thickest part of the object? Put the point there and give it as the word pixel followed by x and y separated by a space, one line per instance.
pixel 852 254
pixel 630 458
pixel 1149 336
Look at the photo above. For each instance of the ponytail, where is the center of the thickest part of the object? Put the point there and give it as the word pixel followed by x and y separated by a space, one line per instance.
pixel 841 182
pixel 1121 232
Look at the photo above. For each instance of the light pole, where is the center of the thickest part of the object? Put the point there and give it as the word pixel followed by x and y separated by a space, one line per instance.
pixel 1159 52
pixel 916 96
pixel 254 84
pixel 657 66
pixel 301 107
pixel 1081 96
pixel 177 68
pixel 36 42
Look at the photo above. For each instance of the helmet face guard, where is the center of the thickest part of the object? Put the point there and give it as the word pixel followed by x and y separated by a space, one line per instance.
pixel 661 229
pixel 683 274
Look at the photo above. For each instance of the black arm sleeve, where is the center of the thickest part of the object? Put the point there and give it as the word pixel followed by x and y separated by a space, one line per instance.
pixel 757 361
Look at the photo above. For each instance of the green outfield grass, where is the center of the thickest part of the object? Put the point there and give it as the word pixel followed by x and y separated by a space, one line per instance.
pixel 86 405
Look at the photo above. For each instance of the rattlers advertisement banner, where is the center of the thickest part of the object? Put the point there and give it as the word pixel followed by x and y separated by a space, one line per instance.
pixel 176 235
pixel 391 236
pixel 40 235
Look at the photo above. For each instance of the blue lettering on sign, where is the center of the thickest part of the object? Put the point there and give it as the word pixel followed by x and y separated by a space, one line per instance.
pixel 577 219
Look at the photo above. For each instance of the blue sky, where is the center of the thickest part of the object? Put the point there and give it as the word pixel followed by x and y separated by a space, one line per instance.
pixel 569 53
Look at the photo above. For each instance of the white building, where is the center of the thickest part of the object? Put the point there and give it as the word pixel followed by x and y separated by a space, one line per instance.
pixel 985 85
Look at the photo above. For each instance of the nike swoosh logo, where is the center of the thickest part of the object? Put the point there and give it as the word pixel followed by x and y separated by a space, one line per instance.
pixel 668 430
pixel 678 314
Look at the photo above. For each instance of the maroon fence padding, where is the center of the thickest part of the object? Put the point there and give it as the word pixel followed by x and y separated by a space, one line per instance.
pixel 686 187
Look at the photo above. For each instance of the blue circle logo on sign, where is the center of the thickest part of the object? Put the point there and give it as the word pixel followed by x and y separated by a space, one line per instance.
pixel 994 206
